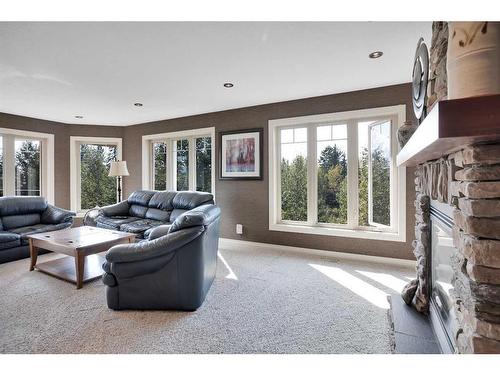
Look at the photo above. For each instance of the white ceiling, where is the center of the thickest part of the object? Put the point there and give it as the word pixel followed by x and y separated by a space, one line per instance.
pixel 55 71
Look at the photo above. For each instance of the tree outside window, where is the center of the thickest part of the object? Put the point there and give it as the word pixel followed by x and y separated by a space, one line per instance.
pixel 27 167
pixel 97 189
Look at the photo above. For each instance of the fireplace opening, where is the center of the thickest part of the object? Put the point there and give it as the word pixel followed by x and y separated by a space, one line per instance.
pixel 442 292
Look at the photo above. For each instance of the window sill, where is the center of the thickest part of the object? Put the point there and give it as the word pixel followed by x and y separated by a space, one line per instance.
pixel 339 232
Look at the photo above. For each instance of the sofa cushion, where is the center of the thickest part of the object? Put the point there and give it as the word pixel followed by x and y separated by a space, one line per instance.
pixel 187 200
pixel 157 214
pixel 163 200
pixel 17 221
pixel 22 205
pixel 9 240
pixel 114 222
pixel 140 226
pixel 140 197
pixel 137 211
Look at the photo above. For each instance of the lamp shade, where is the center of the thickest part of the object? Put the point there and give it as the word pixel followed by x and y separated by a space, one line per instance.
pixel 118 168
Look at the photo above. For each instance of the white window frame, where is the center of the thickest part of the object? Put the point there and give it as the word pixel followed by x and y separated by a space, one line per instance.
pixel 75 168
pixel 46 160
pixel 397 231
pixel 169 139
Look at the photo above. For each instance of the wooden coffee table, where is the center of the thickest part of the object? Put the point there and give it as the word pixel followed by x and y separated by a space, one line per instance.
pixel 81 243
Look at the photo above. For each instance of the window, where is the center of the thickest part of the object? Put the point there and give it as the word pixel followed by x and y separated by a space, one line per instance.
pixel 331 141
pixel 1 167
pixel 204 164
pixel 294 174
pixel 335 174
pixel 26 163
pixel 90 161
pixel 374 173
pixel 159 165
pixel 179 161
pixel 181 157
pixel 27 167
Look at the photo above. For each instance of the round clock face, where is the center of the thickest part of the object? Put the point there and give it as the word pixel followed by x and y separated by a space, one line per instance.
pixel 419 79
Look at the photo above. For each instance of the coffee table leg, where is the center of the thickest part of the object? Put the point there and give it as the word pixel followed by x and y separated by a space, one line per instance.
pixel 80 268
pixel 33 254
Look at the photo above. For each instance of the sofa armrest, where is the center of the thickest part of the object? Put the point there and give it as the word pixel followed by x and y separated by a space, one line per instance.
pixel 118 209
pixel 9 237
pixel 154 248
pixel 159 231
pixel 202 215
pixel 56 215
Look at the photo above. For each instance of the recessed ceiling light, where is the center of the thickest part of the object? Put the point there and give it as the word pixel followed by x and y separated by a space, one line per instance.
pixel 78 116
pixel 228 85
pixel 138 104
pixel 375 55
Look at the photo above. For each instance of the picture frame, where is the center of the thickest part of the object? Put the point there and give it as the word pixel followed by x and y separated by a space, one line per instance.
pixel 241 154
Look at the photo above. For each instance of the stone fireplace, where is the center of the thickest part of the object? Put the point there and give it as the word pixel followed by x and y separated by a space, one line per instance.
pixel 456 152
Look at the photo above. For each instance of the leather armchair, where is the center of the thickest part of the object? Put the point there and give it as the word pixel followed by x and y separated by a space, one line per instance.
pixel 173 269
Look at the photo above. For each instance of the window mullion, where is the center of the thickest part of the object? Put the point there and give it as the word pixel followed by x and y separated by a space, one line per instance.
pixel 394 199
pixel 78 176
pixel 152 166
pixel 312 173
pixel 277 177
pixel 352 175
pixel 370 178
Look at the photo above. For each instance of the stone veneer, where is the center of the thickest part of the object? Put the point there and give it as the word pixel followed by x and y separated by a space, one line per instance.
pixel 469 180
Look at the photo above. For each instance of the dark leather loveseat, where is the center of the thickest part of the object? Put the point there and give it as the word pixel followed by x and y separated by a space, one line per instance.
pixel 20 216
pixel 175 267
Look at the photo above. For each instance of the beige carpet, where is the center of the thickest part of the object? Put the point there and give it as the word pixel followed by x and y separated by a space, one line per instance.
pixel 262 301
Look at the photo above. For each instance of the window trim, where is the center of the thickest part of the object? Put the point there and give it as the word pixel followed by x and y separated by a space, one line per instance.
pixel 46 161
pixel 75 173
pixel 147 164
pixel 398 191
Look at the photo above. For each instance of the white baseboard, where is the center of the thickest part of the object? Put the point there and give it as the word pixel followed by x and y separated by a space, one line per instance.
pixel 228 244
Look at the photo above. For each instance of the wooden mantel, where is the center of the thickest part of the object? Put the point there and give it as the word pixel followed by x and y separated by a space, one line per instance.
pixel 451 125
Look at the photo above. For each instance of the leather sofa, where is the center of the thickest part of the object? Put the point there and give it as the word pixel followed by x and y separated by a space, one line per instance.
pixel 145 209
pixel 172 269
pixel 21 216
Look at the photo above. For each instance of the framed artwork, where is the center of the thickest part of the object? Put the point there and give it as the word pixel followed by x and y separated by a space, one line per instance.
pixel 241 155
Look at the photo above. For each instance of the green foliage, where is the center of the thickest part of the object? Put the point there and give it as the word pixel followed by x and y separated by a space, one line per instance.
pixel 294 189
pixel 97 189
pixel 363 188
pixel 160 166
pixel 182 164
pixel 204 164
pixel 28 168
pixel 381 188
pixel 332 187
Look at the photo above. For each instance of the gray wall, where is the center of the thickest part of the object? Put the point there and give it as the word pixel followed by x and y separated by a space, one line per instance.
pixel 244 202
